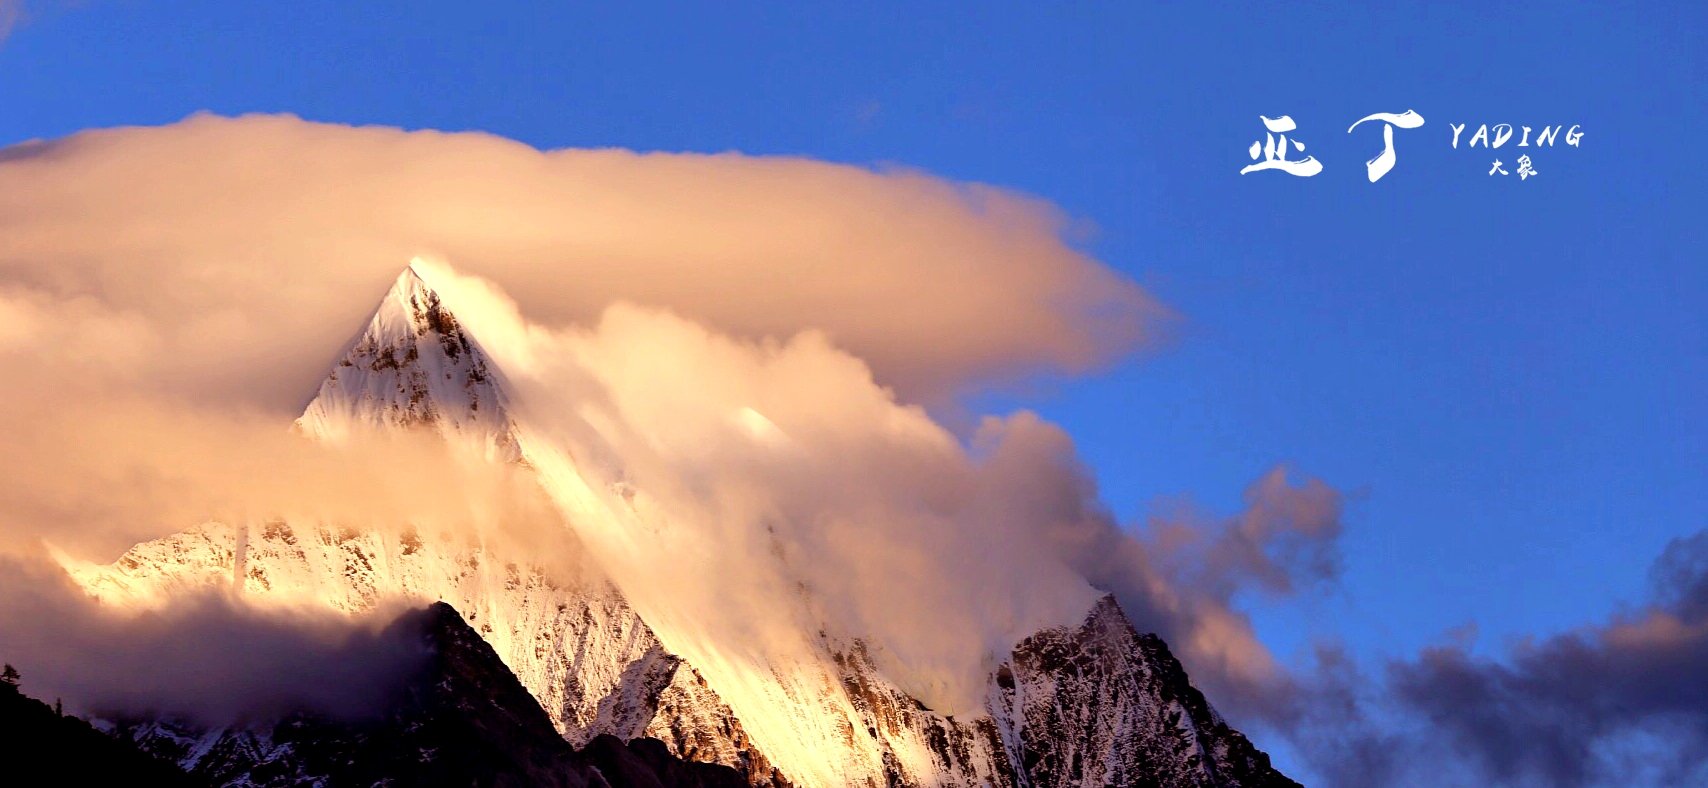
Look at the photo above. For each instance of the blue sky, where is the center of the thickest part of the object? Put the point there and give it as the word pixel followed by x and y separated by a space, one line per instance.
pixel 1507 376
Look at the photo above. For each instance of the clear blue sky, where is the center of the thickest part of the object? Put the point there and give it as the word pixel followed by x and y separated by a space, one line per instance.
pixel 1509 376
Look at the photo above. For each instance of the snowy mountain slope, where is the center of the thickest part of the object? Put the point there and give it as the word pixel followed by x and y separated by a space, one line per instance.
pixel 589 660
pixel 825 716
pixel 570 644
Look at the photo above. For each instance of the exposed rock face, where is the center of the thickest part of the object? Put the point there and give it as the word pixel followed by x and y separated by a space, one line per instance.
pixel 667 700
pixel 960 753
pixel 1105 705
pixel 647 763
pixel 1096 705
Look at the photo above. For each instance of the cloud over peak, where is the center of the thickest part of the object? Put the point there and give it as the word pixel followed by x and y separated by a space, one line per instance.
pixel 272 233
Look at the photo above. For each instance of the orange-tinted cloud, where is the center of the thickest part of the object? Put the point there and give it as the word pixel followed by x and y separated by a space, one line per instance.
pixel 259 241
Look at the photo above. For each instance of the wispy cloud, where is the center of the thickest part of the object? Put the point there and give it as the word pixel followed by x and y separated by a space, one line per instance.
pixel 1619 702
pixel 11 13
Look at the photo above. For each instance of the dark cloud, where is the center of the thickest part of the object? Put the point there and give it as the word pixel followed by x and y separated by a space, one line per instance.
pixel 207 658
pixel 1569 709
pixel 1624 702
pixel 1680 577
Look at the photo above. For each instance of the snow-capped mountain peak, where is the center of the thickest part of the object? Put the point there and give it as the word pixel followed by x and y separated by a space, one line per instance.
pixel 414 365
pixel 1088 705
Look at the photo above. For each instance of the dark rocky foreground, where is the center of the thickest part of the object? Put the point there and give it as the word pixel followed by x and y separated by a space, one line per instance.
pixel 465 720
pixel 38 746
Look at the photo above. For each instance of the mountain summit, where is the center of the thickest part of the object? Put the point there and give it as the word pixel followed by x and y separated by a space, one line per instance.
pixel 414 365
